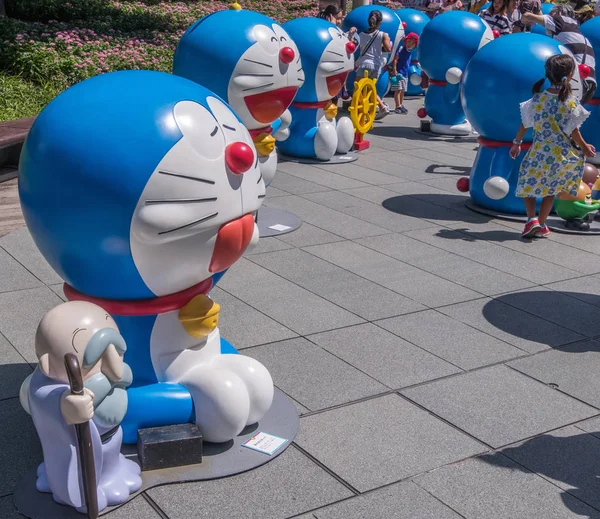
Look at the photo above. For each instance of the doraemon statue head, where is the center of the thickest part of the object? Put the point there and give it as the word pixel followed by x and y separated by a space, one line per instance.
pixel 414 21
pixel 327 57
pixel 449 41
pixel 139 184
pixel 256 69
pixel 391 24
pixel 491 81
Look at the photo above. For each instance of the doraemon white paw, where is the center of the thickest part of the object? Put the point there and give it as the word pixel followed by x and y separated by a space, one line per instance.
pixel 345 134
pixel 326 140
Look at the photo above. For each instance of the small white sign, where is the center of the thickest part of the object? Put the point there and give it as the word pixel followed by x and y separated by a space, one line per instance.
pixel 279 227
pixel 266 443
pixel 346 157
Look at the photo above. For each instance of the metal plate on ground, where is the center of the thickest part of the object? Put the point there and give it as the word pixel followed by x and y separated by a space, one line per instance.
pixel 351 156
pixel 274 222
pixel 462 138
pixel 554 222
pixel 219 460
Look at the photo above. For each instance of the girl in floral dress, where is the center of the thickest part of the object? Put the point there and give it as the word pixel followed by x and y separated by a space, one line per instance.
pixel 555 161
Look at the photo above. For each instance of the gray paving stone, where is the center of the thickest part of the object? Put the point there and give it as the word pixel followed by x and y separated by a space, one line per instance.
pixel 567 457
pixel 269 244
pixel 558 308
pixel 590 244
pixel 400 277
pixel 313 376
pixel 359 172
pixel 479 490
pixel 399 501
pixel 354 293
pixel 58 289
pixel 20 314
pixel 139 508
pixel 447 265
pixel 509 324
pixel 296 484
pixel 451 340
pixel 573 368
pixel 20 246
pixel 294 307
pixel 499 405
pixel 512 262
pixel 382 441
pixel 273 192
pixel 586 288
pixel 244 326
pixel 13 275
pixel 336 222
pixel 440 157
pixel 317 176
pixel 369 212
pixel 591 426
pixel 384 356
pixel 294 185
pixel 8 509
pixel 21 449
pixel 307 235
pixel 13 370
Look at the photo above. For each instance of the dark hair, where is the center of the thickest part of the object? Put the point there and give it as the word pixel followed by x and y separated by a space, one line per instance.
pixel 330 10
pixel 375 18
pixel 558 70
pixel 503 9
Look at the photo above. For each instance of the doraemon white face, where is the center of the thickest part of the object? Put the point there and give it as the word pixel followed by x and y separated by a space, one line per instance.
pixel 334 66
pixel 487 36
pixel 396 40
pixel 195 215
pixel 576 81
pixel 266 77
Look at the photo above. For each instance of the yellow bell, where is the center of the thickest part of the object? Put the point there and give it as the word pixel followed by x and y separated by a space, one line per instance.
pixel 200 316
pixel 331 111
pixel 235 6
pixel 264 144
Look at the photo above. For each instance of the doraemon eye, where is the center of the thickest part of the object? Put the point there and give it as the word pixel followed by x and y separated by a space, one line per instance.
pixel 197 124
pixel 334 32
pixel 274 38
pixel 266 39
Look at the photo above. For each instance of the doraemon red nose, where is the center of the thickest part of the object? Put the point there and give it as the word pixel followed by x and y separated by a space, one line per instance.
pixel 350 47
pixel 239 157
pixel 287 55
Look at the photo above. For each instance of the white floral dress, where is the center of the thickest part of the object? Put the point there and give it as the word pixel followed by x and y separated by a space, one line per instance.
pixel 552 165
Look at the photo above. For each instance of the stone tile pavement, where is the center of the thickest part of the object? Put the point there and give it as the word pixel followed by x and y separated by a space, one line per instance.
pixel 442 367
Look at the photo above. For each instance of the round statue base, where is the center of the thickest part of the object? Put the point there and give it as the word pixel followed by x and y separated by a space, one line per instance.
pixel 218 461
pixel 351 156
pixel 273 222
pixel 554 222
pixel 454 130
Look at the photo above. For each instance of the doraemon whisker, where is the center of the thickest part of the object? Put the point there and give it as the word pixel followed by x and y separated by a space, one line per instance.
pixel 259 86
pixel 229 128
pixel 214 132
pixel 259 178
pixel 336 53
pixel 256 75
pixel 262 196
pixel 300 79
pixel 341 68
pixel 178 175
pixel 181 200
pixel 330 61
pixel 200 220
pixel 258 63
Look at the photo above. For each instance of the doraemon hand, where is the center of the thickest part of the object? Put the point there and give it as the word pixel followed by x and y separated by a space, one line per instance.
pixel 152 193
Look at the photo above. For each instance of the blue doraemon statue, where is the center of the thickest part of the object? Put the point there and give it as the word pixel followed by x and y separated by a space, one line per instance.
pixel 391 24
pixel 327 58
pixel 258 72
pixel 137 187
pixel 447 44
pixel 591 127
pixel 415 22
pixel 493 88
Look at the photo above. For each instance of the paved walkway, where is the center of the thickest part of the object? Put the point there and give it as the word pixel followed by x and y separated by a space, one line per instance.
pixel 443 368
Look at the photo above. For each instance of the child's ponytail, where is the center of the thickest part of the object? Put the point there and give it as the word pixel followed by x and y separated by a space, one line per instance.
pixel 565 89
pixel 537 88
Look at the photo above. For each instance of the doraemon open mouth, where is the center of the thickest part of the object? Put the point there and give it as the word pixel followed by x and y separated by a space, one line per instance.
pixel 268 106
pixel 233 239
pixel 335 83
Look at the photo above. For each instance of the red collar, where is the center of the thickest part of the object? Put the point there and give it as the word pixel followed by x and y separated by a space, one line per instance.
pixel 593 102
pixel 489 143
pixel 414 62
pixel 437 82
pixel 318 104
pixel 258 131
pixel 154 306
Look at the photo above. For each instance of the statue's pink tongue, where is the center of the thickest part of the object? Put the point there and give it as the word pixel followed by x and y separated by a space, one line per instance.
pixel 232 240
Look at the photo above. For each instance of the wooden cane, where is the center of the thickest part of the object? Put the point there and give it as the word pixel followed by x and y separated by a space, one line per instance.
pixel 84 441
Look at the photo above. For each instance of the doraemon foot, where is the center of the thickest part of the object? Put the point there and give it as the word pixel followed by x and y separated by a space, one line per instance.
pixel 345 135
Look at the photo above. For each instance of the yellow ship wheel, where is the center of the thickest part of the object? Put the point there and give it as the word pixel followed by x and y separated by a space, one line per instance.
pixel 364 104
